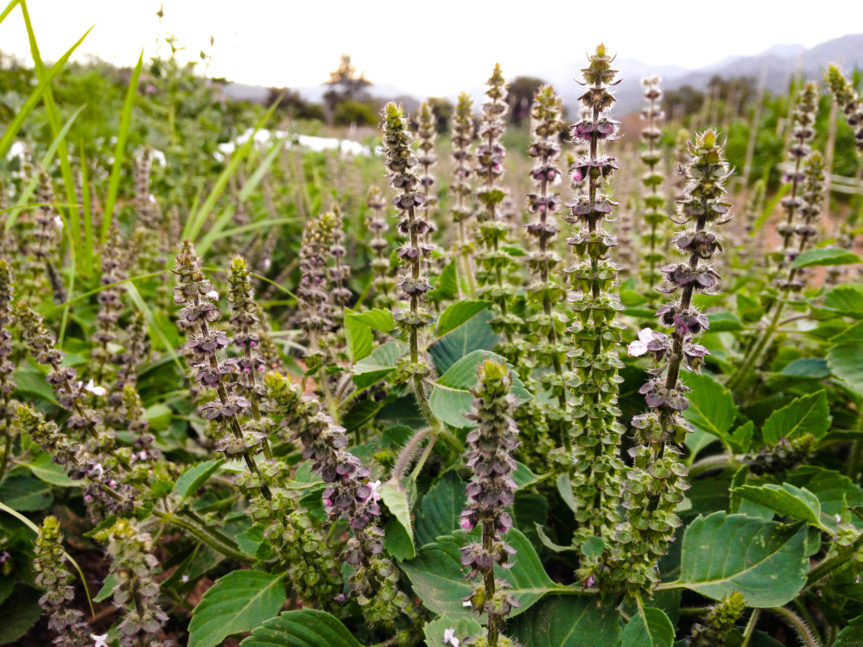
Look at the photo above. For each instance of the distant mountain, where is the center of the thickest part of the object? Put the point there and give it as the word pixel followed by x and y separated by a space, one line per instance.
pixel 781 60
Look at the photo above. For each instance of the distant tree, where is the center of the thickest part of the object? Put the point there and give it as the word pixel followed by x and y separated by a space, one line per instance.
pixel 354 112
pixel 442 110
pixel 293 104
pixel 520 96
pixel 346 84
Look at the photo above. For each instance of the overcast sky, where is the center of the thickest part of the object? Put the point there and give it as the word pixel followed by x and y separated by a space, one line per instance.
pixel 426 48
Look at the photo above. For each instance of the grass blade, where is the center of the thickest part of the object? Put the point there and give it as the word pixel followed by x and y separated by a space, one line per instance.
pixel 44 162
pixel 120 149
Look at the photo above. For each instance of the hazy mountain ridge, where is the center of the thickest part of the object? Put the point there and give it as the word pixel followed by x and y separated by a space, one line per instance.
pixel 782 60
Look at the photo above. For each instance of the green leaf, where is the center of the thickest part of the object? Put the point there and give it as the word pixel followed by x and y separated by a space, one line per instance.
pixel 825 256
pixel 806 415
pixel 447 285
pixel 458 314
pixel 396 500
pixel 807 367
pixel 851 635
pixel 237 602
pixel 25 493
pixel 376 318
pixel 749 310
pixel 786 500
pixel 19 612
pixel 475 334
pixel 159 416
pixel 650 627
pixel 741 438
pixel 194 477
pixel 464 628
pixel 724 321
pixel 451 399
pixel 835 492
pixel 438 577
pixel 711 405
pixel 440 509
pixel 107 587
pixel 846 363
pixel 850 335
pixel 397 541
pixel 379 364
pixel 565 621
pixel 764 560
pixel 302 628
pixel 846 299
pixel 32 382
pixel 358 336
pixel 44 470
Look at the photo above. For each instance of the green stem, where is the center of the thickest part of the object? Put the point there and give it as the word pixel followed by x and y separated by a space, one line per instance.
pixel 806 633
pixel 750 627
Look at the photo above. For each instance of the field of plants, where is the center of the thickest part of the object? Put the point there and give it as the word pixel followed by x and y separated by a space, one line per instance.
pixel 554 381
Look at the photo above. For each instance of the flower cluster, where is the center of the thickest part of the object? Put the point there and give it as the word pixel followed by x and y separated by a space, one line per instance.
pixel 202 350
pixel 400 162
pixel 849 102
pixel 349 495
pixel 804 132
pixel 7 386
pixel 596 467
pixel 494 264
pixel 546 326
pixel 426 133
pixel 656 482
pixel 717 622
pixel 136 592
pixel 491 492
pixel 245 324
pixel 384 295
pixel 315 313
pixel 110 305
pixel 339 272
pixel 463 136
pixel 148 241
pixel 653 200
pixel 45 235
pixel 54 578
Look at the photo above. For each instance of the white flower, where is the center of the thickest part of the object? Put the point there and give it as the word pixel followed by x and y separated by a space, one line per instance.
pixel 94 389
pixel 449 638
pixel 184 579
pixel 58 222
pixel 97 469
pixel 467 604
pixel 151 198
pixel 639 346
pixel 212 294
pixel 158 156
pixel 99 640
pixel 374 485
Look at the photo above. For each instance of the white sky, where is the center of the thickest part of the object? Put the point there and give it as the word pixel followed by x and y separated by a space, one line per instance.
pixel 427 48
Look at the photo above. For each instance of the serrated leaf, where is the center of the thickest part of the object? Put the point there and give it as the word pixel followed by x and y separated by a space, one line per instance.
pixel 846 299
pixel 302 628
pixel 764 560
pixel 825 256
pixel 846 363
pixel 439 579
pixel 851 635
pixel 44 470
pixel 835 492
pixel 237 602
pixel 194 477
pixel 849 335
pixel 786 500
pixel 741 438
pixel 358 336
pixel 475 334
pixel 440 509
pixel 805 415
pixel 650 627
pixel 807 367
pixel 377 318
pixel 451 399
pixel 380 363
pixel 724 321
pixel 107 588
pixel 19 612
pixel 24 493
pixel 396 500
pixel 463 628
pixel 458 314
pixel 711 405
pixel 565 621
